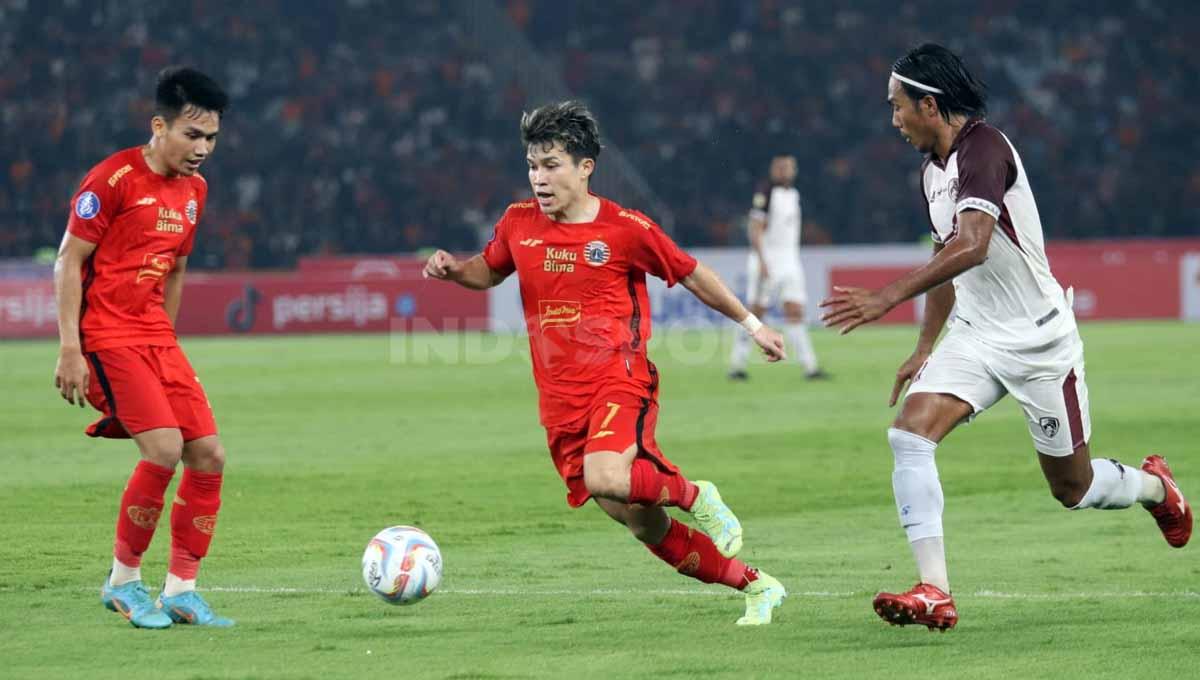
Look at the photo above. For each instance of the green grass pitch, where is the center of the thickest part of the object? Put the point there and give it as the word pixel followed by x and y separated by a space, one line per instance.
pixel 333 438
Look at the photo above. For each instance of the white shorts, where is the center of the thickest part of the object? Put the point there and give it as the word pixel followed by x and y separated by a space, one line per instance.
pixel 1048 383
pixel 786 284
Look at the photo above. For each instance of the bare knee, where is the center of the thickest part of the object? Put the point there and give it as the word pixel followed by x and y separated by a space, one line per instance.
pixel 205 454
pixel 931 416
pixel 1069 492
pixel 606 475
pixel 163 446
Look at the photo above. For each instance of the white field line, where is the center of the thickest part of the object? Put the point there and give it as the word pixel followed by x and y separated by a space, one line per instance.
pixel 818 594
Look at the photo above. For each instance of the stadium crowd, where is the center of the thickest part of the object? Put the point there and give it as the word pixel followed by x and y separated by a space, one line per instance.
pixel 371 126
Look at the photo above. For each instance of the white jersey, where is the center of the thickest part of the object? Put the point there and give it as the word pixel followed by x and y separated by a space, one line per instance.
pixel 779 206
pixel 1012 300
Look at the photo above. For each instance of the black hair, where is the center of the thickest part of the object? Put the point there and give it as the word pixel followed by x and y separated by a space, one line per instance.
pixel 180 87
pixel 569 123
pixel 936 66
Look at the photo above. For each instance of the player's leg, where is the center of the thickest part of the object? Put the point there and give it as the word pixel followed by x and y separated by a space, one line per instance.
pixel 797 336
pixel 953 386
pixel 1055 403
pixel 193 521
pixel 622 462
pixel 198 498
pixel 128 391
pixel 692 553
pixel 137 519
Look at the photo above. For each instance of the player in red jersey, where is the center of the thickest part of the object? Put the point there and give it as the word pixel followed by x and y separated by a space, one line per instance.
pixel 582 262
pixel 119 278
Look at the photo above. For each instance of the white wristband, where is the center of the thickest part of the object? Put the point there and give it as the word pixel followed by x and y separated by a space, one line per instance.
pixel 751 324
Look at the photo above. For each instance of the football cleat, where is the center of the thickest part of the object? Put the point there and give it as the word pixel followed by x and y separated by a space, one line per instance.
pixel 763 596
pixel 716 519
pixel 1173 514
pixel 189 608
pixel 924 604
pixel 132 601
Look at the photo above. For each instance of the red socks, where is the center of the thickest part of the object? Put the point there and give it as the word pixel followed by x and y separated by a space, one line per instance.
pixel 141 505
pixel 650 486
pixel 693 553
pixel 193 519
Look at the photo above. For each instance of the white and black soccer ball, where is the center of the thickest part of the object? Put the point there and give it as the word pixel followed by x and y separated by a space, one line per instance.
pixel 402 565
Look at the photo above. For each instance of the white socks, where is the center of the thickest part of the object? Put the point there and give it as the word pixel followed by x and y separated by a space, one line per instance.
pixel 741 351
pixel 930 554
pixel 1115 486
pixel 175 585
pixel 919 503
pixel 797 337
pixel 915 483
pixel 123 573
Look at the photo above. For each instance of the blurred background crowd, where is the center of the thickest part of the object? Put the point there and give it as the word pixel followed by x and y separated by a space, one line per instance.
pixel 368 126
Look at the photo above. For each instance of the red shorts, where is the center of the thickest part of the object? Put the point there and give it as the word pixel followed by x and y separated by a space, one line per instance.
pixel 145 387
pixel 617 421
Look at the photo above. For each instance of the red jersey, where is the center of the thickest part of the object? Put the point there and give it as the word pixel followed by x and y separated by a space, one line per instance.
pixel 583 287
pixel 140 222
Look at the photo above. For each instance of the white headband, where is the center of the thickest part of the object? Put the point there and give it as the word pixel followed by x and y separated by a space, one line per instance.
pixel 914 83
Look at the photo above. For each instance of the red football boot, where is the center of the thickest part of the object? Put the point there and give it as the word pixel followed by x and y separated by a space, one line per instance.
pixel 925 605
pixel 1174 515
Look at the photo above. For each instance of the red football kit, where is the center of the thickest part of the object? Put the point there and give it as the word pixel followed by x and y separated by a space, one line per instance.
pixel 140 222
pixel 583 287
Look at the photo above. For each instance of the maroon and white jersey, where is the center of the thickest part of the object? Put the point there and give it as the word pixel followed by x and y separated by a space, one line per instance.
pixel 1012 300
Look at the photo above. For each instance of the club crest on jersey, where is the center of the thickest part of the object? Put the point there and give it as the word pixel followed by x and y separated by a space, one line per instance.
pixel 87 205
pixel 1049 426
pixel 596 253
pixel 191 210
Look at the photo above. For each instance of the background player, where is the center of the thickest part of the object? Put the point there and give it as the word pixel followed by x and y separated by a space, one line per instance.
pixel 582 262
pixel 1014 332
pixel 773 269
pixel 119 280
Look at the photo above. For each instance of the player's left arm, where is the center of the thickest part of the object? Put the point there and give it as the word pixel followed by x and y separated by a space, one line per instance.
pixel 173 288
pixel 708 288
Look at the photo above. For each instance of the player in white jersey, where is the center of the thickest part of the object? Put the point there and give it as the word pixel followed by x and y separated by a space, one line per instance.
pixel 1014 332
pixel 773 268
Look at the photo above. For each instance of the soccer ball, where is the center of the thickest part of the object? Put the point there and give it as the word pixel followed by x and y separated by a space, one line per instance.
pixel 402 565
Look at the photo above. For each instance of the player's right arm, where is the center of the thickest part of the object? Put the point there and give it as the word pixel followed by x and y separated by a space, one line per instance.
pixel 938 303
pixel 473 273
pixel 71 374
pixel 482 271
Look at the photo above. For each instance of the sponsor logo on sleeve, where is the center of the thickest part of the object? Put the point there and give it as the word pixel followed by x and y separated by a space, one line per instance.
pixel 87 205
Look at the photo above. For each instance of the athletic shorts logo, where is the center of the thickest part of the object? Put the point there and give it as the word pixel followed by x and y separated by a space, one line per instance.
pixel 87 205
pixel 146 518
pixel 205 524
pixel 1049 426
pixel 191 210
pixel 596 253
